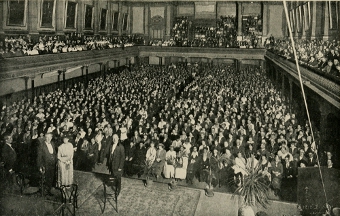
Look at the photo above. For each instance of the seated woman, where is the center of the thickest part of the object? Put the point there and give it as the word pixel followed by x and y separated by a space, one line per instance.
pixel 158 164
pixel 240 167
pixel 226 171
pixel 181 169
pixel 169 169
pixel 276 171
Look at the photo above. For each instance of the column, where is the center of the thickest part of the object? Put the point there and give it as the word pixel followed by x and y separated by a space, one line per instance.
pixel 59 14
pixel 33 18
pixel 120 9
pixel 159 60
pixel 1 18
pixel 290 95
pixel 59 73
pixel 263 64
pixel 115 63
pixel 107 67
pixel 80 17
pixel 26 86
pixel 168 12
pixel 118 63
pixel 130 26
pixel 109 20
pixel 87 75
pixel 96 18
pixel 101 69
pixel 237 66
pixel 32 88
pixel 239 19
pixel 277 77
pixel 282 85
pixel 146 22
pixel 326 22
pixel 64 80
pixel 313 22
pixel 82 71
pixel 264 20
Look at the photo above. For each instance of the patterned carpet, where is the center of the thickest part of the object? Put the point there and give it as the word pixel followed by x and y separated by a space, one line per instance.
pixel 136 199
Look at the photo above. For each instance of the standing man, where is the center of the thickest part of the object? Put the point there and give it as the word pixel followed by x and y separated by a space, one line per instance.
pixel 115 161
pixel 46 161
pixel 9 157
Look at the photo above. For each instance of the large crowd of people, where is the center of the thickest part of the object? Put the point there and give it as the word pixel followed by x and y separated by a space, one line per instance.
pixel 24 45
pixel 182 119
pixel 316 54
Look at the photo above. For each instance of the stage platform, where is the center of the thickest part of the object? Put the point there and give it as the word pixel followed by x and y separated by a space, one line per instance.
pixel 136 199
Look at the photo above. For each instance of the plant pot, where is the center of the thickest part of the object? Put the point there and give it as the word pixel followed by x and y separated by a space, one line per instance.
pixel 148 182
pixel 245 211
pixel 209 192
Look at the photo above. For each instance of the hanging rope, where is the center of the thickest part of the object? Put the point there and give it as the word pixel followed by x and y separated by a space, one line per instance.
pixel 304 96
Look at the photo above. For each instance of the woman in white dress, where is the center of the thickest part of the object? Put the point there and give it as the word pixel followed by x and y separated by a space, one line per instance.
pixel 240 167
pixel 151 153
pixel 181 170
pixel 169 169
pixel 65 163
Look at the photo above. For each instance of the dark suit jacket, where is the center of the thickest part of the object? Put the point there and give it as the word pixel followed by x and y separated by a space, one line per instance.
pixel 294 152
pixel 221 142
pixel 78 144
pixel 116 159
pixel 9 156
pixel 45 159
pixel 311 163
pixel 290 170
pixel 106 145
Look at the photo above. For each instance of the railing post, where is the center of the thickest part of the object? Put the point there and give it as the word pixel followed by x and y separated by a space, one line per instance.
pixel 64 80
pixel 32 88
pixel 26 86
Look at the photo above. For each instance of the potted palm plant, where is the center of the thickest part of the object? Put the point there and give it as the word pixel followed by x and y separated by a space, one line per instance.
pixel 253 191
pixel 148 172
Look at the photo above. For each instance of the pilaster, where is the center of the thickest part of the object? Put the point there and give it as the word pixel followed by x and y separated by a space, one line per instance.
pixel 239 19
pixel 80 18
pixel 32 20
pixel 326 22
pixel 313 23
pixel 96 19
pixel 59 16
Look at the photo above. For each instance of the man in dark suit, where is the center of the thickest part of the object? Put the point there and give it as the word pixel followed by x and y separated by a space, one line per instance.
pixel 106 145
pixel 46 160
pixel 289 180
pixel 9 157
pixel 78 142
pixel 115 161
pixel 221 138
pixel 311 161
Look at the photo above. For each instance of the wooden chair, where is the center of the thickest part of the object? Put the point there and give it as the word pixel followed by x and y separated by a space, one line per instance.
pixel 110 183
pixel 68 201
